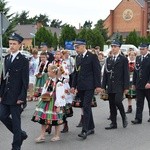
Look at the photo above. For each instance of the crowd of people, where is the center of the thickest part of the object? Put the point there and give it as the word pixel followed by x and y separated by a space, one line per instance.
pixel 59 82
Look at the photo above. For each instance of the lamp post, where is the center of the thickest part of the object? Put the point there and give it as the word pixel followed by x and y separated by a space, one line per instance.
pixel 33 35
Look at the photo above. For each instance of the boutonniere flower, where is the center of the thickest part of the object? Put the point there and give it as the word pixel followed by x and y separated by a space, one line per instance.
pixel 87 55
pixel 17 57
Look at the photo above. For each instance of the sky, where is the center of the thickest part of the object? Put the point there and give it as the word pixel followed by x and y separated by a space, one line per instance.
pixel 71 12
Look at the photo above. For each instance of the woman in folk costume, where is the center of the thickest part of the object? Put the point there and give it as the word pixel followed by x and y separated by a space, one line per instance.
pixel 131 94
pixel 49 109
pixel 33 65
pixel 41 74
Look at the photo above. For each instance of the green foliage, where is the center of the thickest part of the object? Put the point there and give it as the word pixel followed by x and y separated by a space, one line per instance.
pixel 98 39
pixel 56 23
pixel 55 41
pixel 92 37
pixel 23 18
pixel 100 26
pixel 87 24
pixel 67 34
pixel 133 38
pixel 5 10
pixel 43 19
pixel 43 35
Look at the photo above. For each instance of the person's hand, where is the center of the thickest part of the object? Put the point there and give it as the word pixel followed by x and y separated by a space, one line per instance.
pixel 102 90
pixel 126 91
pixel 57 109
pixel 98 90
pixel 72 90
pixel 133 87
pixel 147 86
pixel 19 102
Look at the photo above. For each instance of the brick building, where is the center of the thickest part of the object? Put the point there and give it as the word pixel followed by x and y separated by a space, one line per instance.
pixel 127 16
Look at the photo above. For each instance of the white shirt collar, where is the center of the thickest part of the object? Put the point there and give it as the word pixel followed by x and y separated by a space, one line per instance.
pixel 84 53
pixel 145 55
pixel 14 55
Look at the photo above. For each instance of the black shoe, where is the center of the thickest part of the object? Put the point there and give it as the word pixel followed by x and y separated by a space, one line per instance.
pixel 125 122
pixel 24 136
pixel 148 120
pixel 136 121
pixel 90 132
pixel 129 110
pixel 49 129
pixel 65 129
pixel 83 135
pixel 112 126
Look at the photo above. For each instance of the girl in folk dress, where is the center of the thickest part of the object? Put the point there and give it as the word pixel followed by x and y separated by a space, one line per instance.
pixel 131 93
pixel 49 108
pixel 68 112
pixel 41 74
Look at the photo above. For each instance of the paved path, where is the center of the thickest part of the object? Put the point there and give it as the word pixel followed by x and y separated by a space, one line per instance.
pixel 134 137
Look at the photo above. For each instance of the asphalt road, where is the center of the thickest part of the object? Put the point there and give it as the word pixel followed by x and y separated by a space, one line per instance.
pixel 134 137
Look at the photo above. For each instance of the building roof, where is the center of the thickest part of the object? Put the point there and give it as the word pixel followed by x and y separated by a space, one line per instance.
pixel 28 31
pixel 141 2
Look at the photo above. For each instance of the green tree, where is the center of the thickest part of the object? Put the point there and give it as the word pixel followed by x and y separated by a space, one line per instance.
pixel 97 39
pixel 43 35
pixel 56 23
pixel 5 10
pixel 55 41
pixel 67 34
pixel 23 18
pixel 87 24
pixel 100 26
pixel 133 38
pixel 43 19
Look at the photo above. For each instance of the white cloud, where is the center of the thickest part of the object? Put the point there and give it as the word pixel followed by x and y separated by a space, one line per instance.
pixel 69 11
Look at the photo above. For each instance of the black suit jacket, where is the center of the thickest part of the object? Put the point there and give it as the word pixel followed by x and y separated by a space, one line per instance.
pixel 141 75
pixel 87 72
pixel 15 87
pixel 50 57
pixel 116 75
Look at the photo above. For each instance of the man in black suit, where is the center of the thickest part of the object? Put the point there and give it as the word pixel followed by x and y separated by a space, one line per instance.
pixel 116 80
pixel 86 80
pixel 44 48
pixel 13 90
pixel 141 82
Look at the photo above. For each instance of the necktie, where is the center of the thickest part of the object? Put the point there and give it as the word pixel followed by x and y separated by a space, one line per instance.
pixel 142 58
pixel 114 59
pixel 10 59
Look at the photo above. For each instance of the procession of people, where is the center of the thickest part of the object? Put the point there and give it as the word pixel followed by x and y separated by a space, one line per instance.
pixel 59 82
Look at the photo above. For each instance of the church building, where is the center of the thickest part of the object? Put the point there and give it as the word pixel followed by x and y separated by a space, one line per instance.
pixel 129 15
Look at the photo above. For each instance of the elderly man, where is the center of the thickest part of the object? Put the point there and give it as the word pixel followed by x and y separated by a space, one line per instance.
pixel 116 79
pixel 86 79
pixel 141 82
pixel 13 90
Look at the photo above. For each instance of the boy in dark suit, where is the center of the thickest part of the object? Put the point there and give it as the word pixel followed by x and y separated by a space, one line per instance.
pixel 116 78
pixel 13 90
pixel 86 79
pixel 141 82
